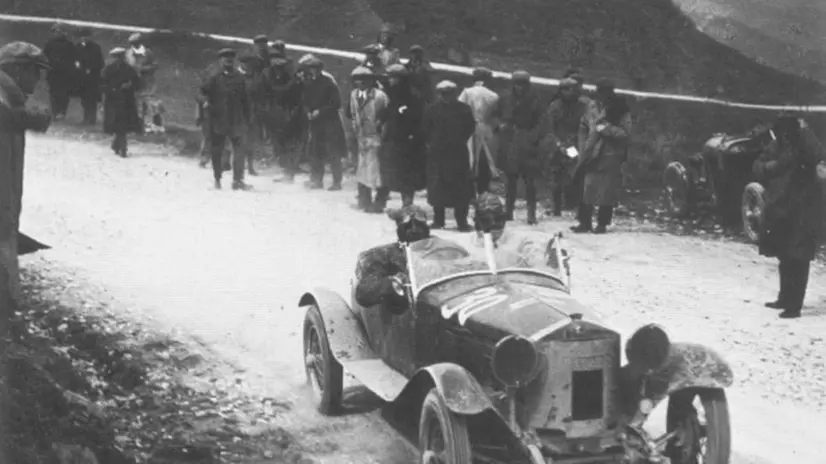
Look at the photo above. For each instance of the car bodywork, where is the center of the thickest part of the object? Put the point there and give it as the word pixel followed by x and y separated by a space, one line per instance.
pixel 579 404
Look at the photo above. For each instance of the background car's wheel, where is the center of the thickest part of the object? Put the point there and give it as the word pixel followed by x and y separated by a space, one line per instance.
pixel 751 209
pixel 675 189
pixel 700 418
pixel 443 435
pixel 324 374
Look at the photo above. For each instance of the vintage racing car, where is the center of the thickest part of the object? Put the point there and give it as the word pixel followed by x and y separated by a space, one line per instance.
pixel 720 179
pixel 503 365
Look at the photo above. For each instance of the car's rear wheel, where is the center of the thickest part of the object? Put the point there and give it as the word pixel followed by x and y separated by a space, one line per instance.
pixel 675 189
pixel 324 374
pixel 699 419
pixel 443 434
pixel 752 208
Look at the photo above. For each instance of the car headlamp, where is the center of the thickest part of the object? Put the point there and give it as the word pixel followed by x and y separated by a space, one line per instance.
pixel 515 361
pixel 648 347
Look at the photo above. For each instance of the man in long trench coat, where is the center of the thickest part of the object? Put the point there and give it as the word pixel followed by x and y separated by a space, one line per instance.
pixel 90 64
pixel 793 171
pixel 120 110
pixel 484 145
pixel 321 101
pixel 62 74
pixel 366 109
pixel 20 67
pixel 448 124
pixel 606 129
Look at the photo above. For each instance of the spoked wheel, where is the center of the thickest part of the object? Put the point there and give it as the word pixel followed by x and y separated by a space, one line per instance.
pixel 752 208
pixel 324 374
pixel 443 435
pixel 699 421
pixel 675 185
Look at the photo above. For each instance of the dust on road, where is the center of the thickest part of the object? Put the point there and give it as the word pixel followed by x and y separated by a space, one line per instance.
pixel 228 267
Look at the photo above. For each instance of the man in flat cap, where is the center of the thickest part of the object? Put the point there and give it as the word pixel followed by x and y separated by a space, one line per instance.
pixel 63 75
pixel 421 73
pixel 606 131
pixel 21 64
pixel 143 61
pixel 484 145
pixel 90 64
pixel 448 124
pixel 261 49
pixel 120 82
pixel 520 128
pixel 562 142
pixel 373 62
pixel 224 96
pixel 321 103
pixel 366 108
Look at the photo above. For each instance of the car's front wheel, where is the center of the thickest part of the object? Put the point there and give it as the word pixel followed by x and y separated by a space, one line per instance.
pixel 751 210
pixel 324 374
pixel 699 419
pixel 676 189
pixel 443 434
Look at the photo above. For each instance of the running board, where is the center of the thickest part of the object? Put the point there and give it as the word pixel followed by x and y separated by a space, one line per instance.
pixel 386 382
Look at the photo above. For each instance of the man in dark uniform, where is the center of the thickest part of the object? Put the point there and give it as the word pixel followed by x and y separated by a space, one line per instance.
pixel 321 102
pixel 62 77
pixel 261 46
pixel 421 74
pixel 283 123
pixel 120 82
pixel 90 57
pixel 223 94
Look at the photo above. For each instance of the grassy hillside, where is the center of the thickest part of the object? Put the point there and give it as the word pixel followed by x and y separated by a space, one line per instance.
pixel 647 44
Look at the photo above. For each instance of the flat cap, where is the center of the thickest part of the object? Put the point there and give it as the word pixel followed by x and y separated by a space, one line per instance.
pixel 416 49
pixel 568 82
pixel 371 49
pixel 227 52
pixel 136 37
pixel 482 72
pixel 396 69
pixel 117 51
pixel 260 38
pixel 446 85
pixel 23 53
pixel 310 61
pixel 521 76
pixel 361 72
pixel 406 213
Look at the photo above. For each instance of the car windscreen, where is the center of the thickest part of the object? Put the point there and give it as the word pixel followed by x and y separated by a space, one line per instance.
pixel 436 258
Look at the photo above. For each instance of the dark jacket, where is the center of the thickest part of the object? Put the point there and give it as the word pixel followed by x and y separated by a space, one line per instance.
pixel 403 155
pixel 793 215
pixel 421 78
pixel 520 136
pixel 120 110
pixel 90 57
pixel 229 105
pixel 447 127
pixel 62 55
pixel 373 273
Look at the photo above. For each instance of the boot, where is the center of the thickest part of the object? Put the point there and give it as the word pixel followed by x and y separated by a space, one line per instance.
pixel 604 216
pixel 314 185
pixel 382 194
pixel 217 184
pixel 510 198
pixel 782 295
pixel 251 166
pixel 240 185
pixel 584 215
pixel 798 276
pixel 460 215
pixel 364 198
pixel 438 218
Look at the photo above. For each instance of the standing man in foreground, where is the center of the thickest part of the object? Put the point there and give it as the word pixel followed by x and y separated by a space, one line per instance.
pixel 20 67
pixel 793 169
pixel 365 109
pixel 224 96
pixel 62 74
pixel 448 124
pixel 90 61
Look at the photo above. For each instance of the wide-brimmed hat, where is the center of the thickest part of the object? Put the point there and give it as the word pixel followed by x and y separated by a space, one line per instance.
pixel 362 72
pixel 260 38
pixel 446 86
pixel 136 37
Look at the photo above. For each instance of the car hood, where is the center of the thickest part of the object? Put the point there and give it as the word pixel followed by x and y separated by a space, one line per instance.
pixel 503 309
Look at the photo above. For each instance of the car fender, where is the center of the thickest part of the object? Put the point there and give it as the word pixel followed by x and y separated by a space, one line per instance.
pixel 460 391
pixel 344 330
pixel 690 365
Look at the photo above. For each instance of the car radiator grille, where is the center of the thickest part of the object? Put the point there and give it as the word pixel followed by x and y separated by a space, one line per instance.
pixel 577 392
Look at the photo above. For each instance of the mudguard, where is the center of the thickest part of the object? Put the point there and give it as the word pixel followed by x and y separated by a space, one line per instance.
pixel 344 331
pixel 690 365
pixel 460 391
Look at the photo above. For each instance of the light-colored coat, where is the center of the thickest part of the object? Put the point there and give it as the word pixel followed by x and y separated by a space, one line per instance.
pixel 146 66
pixel 366 115
pixel 484 103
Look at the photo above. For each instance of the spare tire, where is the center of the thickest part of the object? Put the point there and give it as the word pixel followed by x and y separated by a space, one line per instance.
pixel 751 209
pixel 676 189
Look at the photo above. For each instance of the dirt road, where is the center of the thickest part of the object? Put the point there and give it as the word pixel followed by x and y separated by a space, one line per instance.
pixel 227 268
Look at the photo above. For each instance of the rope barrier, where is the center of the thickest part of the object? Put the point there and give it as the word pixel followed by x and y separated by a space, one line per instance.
pixel 439 66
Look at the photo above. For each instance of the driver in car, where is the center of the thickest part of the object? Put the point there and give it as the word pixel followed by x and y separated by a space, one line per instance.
pixel 512 249
pixel 378 265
